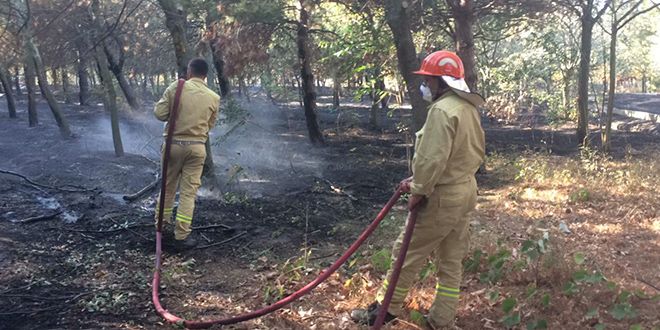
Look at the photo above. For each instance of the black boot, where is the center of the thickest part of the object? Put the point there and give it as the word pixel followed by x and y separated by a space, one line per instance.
pixel 368 316
pixel 185 245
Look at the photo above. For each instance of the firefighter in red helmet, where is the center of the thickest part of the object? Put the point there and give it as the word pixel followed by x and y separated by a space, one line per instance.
pixel 449 149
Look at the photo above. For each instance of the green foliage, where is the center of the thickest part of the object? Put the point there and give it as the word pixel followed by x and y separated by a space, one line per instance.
pixel 509 304
pixel 381 260
pixel 428 270
pixel 537 324
pixel 417 317
pixel 471 265
pixel 578 257
pixel 622 311
pixel 496 267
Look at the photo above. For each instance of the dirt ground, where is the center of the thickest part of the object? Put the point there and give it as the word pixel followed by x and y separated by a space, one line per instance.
pixel 74 255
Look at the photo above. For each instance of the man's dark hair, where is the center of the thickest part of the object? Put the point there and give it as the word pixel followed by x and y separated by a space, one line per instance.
pixel 198 67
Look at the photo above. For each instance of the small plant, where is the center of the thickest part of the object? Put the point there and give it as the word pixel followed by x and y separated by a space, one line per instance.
pixel 511 318
pixel 381 260
pixel 581 195
pixel 495 267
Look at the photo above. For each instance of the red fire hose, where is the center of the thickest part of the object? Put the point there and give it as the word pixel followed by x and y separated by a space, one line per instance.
pixel 193 324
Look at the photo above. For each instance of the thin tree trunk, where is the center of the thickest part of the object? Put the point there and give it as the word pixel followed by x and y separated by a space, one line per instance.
pixel 33 117
pixel 109 94
pixel 399 22
pixel 66 87
pixel 566 94
pixel 309 94
pixel 605 137
pixel 117 68
pixel 33 55
pixel 583 79
pixel 83 80
pixel 336 86
pixel 176 22
pixel 55 77
pixel 6 85
pixel 464 21
pixel 17 83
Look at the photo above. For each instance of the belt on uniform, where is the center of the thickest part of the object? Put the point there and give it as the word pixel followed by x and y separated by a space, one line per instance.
pixel 187 143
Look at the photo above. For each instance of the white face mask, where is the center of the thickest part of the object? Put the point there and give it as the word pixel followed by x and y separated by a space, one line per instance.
pixel 427 95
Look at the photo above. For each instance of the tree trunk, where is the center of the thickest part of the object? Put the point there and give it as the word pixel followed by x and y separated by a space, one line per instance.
pixel 309 94
pixel 605 136
pixel 33 55
pixel 566 94
pixel 83 80
pixel 463 13
pixel 583 79
pixel 33 117
pixel 204 50
pixel 55 77
pixel 17 83
pixel 6 85
pixel 66 87
pixel 644 83
pixel 117 68
pixel 109 94
pixel 336 86
pixel 399 22
pixel 176 22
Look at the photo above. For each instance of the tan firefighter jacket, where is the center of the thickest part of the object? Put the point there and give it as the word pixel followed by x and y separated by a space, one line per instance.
pixel 198 110
pixel 450 147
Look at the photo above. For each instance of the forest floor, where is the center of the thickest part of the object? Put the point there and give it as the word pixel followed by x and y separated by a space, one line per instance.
pixel 562 238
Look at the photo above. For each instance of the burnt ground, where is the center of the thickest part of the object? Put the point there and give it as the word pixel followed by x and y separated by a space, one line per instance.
pixel 73 254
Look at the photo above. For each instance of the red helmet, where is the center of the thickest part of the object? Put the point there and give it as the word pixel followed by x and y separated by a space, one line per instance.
pixel 442 63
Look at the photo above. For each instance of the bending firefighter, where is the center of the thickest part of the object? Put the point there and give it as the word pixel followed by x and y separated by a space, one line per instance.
pixel 197 113
pixel 448 151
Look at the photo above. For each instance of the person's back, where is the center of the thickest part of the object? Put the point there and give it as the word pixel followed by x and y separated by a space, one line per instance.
pixel 196 116
pixel 468 148
pixel 197 110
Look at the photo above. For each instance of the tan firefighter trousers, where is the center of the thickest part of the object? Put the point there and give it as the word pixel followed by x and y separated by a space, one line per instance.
pixel 442 230
pixel 184 170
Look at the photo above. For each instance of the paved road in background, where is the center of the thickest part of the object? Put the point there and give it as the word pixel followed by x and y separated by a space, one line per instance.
pixel 638 102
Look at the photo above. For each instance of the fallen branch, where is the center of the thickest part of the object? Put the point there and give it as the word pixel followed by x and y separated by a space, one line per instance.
pixel 212 226
pixel 39 218
pixel 222 242
pixel 100 231
pixel 81 189
pixel 131 230
pixel 649 284
pixel 137 195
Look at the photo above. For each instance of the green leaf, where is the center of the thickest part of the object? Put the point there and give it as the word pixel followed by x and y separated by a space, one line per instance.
pixel 622 311
pixel 427 270
pixel 508 304
pixel 545 300
pixel 537 324
pixel 579 258
pixel 599 326
pixel 624 296
pixel 580 275
pixel 595 278
pixel 531 291
pixel 511 320
pixel 527 245
pixel 493 295
pixel 570 288
pixel 417 317
pixel 592 313
pixel 381 260
pixel 636 327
